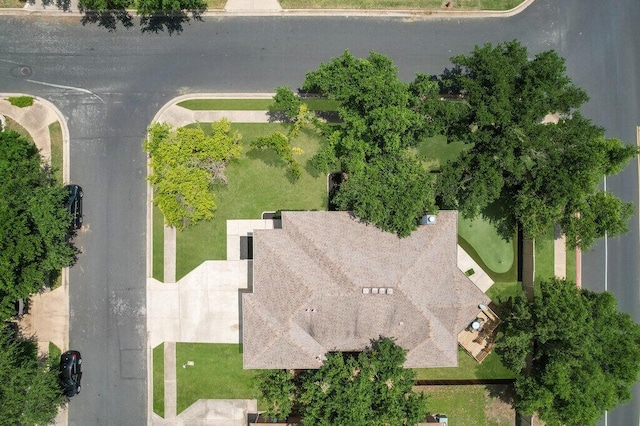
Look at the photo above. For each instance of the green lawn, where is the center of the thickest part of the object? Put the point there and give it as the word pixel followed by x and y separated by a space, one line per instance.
pixel 399 4
pixel 216 374
pixel 158 244
pixel 504 290
pixel 435 151
pixel 544 257
pixel 472 404
pixel 55 133
pixel 257 182
pixel 158 380
pixel 496 253
pixel 468 368
pixel 252 104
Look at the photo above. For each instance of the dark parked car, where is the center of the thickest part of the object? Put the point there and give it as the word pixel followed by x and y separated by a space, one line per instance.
pixel 74 205
pixel 70 372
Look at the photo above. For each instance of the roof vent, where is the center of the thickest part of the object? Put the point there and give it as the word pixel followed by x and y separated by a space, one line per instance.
pixel 389 290
pixel 366 290
pixel 374 290
pixel 428 219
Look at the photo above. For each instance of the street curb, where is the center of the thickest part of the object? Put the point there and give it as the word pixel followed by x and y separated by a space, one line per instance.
pixel 346 13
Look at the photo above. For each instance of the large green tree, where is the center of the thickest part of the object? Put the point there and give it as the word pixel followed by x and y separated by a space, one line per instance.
pixel 186 162
pixel 585 354
pixel 540 174
pixel 381 122
pixel 371 388
pixel 34 224
pixel 29 391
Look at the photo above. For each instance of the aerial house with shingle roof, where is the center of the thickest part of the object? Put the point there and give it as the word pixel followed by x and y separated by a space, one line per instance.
pixel 327 282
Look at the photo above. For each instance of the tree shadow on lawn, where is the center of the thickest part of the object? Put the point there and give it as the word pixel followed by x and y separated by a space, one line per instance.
pixel 271 159
pixel 496 214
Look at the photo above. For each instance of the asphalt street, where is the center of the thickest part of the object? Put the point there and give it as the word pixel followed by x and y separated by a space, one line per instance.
pixel 109 85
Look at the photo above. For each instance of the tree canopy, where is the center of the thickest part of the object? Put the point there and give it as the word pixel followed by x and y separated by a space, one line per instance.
pixel 368 388
pixel 34 223
pixel 380 125
pixel 29 390
pixel 541 173
pixel 585 355
pixel 371 388
pixel 186 163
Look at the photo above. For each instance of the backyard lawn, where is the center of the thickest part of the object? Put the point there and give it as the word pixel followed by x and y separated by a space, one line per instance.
pixel 471 404
pixel 468 368
pixel 216 373
pixel 435 151
pixel 257 182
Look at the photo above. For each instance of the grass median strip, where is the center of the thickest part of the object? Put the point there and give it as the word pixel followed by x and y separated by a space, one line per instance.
pixel 158 380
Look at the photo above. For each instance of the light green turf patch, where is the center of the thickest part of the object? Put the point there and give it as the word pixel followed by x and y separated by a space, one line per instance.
pixel 435 151
pixel 216 373
pixel 158 380
pixel 400 4
pixel 544 257
pixel 257 182
pixel 251 104
pixel 496 253
pixel 158 244
pixel 467 369
pixel 55 133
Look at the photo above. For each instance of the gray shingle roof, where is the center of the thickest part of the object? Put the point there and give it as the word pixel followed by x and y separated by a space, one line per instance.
pixel 307 291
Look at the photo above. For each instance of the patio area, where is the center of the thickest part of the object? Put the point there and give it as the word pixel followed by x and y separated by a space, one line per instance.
pixel 478 338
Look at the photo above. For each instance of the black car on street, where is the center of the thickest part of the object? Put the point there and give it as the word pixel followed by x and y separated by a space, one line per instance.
pixel 70 373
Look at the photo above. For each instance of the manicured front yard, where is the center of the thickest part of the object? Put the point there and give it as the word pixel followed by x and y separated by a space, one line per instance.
pixel 257 182
pixel 471 404
pixel 216 373
pixel 158 380
pixel 400 4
